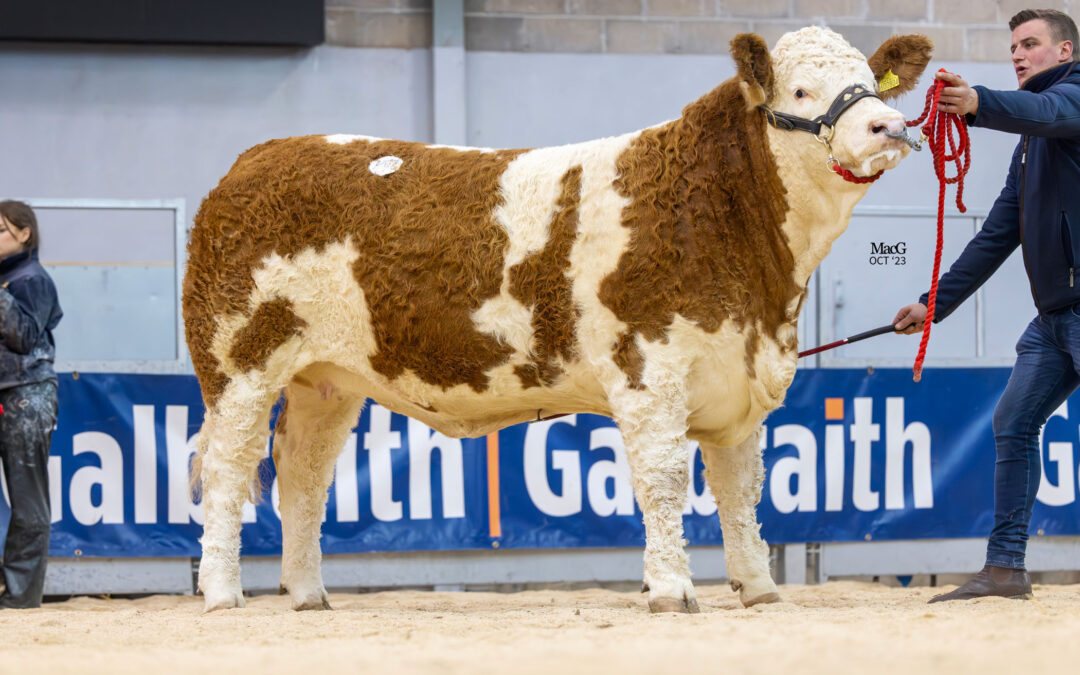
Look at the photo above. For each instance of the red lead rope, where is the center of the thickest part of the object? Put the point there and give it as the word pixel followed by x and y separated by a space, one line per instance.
pixel 938 130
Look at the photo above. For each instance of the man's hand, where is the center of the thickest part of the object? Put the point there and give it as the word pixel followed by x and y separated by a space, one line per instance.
pixel 910 319
pixel 957 96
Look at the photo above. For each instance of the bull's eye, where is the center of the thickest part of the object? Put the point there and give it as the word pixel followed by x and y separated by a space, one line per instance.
pixel 799 93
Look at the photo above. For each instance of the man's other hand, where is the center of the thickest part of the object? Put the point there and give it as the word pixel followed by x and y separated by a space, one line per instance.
pixel 957 96
pixel 910 319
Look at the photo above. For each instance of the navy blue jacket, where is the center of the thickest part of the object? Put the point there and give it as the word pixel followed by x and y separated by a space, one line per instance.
pixel 1039 207
pixel 29 311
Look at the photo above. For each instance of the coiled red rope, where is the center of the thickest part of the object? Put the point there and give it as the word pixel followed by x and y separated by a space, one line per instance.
pixel 939 130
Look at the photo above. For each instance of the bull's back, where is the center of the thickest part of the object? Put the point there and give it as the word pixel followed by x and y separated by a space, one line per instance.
pixel 289 195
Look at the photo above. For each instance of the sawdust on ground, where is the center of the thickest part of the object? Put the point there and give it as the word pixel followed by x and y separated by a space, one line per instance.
pixel 838 627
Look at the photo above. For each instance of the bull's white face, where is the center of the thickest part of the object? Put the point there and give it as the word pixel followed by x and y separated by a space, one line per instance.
pixel 812 66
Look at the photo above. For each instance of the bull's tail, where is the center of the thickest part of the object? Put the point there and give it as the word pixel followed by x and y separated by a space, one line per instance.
pixel 195 470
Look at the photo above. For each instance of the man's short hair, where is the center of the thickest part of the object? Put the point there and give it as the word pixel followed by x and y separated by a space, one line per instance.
pixel 1062 27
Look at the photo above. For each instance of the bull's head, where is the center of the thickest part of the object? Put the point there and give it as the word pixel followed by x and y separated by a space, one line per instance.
pixel 814 81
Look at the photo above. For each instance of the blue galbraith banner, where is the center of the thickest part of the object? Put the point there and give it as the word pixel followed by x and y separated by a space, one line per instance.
pixel 852 456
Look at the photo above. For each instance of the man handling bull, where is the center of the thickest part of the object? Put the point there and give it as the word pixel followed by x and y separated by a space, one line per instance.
pixel 1039 210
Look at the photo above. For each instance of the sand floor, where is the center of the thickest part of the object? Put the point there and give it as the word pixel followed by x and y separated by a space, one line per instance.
pixel 838 627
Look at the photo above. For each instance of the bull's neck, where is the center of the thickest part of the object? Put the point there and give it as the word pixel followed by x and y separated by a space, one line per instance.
pixel 820 203
pixel 708 205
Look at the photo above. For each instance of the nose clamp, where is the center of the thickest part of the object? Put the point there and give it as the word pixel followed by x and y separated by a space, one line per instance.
pixel 824 139
pixel 903 136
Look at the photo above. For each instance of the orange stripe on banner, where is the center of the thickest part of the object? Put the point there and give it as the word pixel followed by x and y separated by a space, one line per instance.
pixel 494 517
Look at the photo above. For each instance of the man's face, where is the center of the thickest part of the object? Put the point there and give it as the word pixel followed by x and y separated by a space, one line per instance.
pixel 1034 50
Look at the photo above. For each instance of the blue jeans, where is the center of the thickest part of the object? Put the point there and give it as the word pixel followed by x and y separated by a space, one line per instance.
pixel 1047 370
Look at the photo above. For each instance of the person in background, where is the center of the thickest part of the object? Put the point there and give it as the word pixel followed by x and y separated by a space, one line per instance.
pixel 1037 210
pixel 29 311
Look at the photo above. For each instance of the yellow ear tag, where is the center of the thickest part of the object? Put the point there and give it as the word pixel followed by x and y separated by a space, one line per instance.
pixel 888 81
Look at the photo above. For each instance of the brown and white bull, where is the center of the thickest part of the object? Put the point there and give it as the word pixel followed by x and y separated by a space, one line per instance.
pixel 655 277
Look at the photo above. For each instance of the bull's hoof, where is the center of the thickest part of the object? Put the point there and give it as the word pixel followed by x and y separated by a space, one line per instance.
pixel 224 601
pixel 766 599
pixel 313 602
pixel 756 591
pixel 658 605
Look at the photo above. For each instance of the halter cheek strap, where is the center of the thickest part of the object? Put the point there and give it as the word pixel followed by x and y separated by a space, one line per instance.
pixel 840 104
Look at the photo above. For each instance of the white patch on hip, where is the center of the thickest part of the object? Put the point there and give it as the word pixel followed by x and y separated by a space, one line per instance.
pixel 323 291
pixel 385 165
pixel 344 139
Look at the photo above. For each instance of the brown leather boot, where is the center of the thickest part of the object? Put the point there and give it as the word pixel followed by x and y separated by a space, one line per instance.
pixel 991 581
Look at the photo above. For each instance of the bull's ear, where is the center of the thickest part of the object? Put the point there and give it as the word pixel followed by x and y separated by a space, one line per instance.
pixel 898 63
pixel 754 67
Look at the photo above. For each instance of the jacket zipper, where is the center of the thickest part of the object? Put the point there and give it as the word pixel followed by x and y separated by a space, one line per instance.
pixel 1072 263
pixel 1023 248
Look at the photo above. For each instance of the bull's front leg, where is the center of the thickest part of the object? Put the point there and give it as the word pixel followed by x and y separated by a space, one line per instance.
pixel 653 424
pixel 735 476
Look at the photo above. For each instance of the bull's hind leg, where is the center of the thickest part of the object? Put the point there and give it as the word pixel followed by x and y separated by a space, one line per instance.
pixel 653 426
pixel 311 432
pixel 231 444
pixel 735 476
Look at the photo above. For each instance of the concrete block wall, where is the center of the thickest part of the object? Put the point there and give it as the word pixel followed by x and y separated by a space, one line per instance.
pixel 962 30
pixel 398 24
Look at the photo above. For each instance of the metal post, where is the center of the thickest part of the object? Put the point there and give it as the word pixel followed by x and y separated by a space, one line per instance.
pixel 794 564
pixel 448 72
pixel 816 573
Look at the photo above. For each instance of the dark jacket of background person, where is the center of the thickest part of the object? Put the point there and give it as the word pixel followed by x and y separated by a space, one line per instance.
pixel 29 310
pixel 1039 207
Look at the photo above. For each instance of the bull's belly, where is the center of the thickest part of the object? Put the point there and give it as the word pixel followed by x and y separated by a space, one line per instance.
pixel 459 411
pixel 725 404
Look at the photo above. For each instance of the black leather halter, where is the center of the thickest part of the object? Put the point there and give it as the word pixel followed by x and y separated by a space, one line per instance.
pixel 840 104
